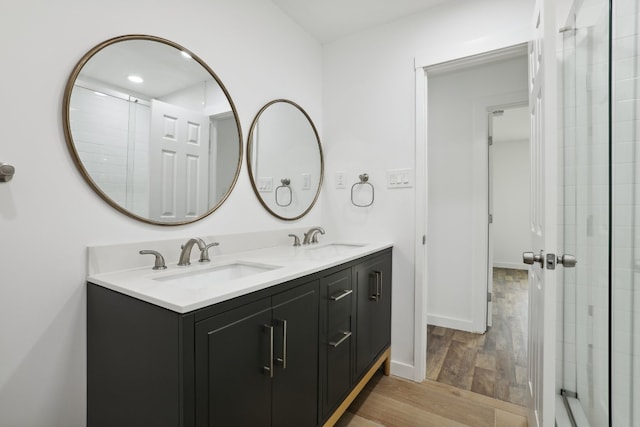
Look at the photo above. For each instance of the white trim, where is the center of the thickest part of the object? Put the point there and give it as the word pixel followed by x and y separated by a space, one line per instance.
pixel 421 250
pixel 451 323
pixel 445 52
pixel 479 59
pixel 403 370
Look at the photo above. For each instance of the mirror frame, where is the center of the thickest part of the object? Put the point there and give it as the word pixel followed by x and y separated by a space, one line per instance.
pixel 250 163
pixel 74 153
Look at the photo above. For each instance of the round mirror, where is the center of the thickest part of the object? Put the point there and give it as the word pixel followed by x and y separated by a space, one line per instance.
pixel 285 159
pixel 152 129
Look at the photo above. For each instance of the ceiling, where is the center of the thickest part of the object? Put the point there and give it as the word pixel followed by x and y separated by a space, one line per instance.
pixel 329 20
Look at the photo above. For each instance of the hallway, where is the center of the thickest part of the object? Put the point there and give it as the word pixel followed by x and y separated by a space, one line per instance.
pixel 495 363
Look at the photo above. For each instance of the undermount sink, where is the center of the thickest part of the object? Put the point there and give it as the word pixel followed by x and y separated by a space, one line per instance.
pixel 217 274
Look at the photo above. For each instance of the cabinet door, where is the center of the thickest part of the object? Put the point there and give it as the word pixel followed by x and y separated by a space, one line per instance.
pixel 336 343
pixel 373 315
pixel 295 380
pixel 233 388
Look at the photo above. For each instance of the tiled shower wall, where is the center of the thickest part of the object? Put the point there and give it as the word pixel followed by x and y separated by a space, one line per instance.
pixel 113 146
pixel 626 217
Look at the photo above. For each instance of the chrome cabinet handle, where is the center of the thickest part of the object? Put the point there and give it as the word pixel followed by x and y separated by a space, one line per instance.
pixel 339 295
pixel 378 292
pixel 269 368
pixel 283 360
pixel 343 338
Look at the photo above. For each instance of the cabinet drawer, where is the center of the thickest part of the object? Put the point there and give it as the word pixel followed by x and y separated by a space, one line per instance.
pixel 339 294
pixel 338 380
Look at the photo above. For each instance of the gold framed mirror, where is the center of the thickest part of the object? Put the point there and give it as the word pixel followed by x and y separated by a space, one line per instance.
pixel 152 129
pixel 285 160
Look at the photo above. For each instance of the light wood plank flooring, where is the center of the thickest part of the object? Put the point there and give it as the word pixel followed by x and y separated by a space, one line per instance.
pixel 495 363
pixel 394 402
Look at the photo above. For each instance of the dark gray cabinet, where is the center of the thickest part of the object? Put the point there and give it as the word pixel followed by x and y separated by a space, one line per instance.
pixel 256 365
pixel 336 343
pixel 373 312
pixel 288 355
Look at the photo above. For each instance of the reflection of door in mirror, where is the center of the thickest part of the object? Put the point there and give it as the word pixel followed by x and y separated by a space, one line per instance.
pixel 179 162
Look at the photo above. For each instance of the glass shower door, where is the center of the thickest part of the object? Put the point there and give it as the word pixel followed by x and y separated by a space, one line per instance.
pixel 584 366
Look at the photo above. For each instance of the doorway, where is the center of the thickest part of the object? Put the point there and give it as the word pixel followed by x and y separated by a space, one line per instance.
pixel 461 351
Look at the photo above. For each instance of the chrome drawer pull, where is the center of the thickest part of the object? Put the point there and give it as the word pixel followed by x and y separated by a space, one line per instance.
pixel 338 296
pixel 345 335
pixel 269 368
pixel 283 360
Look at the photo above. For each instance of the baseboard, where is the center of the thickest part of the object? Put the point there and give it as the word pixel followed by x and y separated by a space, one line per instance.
pixel 403 370
pixel 511 265
pixel 448 322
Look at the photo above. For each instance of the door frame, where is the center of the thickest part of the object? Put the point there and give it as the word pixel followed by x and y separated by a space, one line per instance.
pixel 423 66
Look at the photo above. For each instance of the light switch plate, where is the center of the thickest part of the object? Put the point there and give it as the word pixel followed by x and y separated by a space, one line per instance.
pixel 265 184
pixel 306 181
pixel 340 183
pixel 400 178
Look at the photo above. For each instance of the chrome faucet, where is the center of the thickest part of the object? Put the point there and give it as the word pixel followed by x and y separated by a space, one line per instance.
pixel 204 252
pixel 311 236
pixel 185 255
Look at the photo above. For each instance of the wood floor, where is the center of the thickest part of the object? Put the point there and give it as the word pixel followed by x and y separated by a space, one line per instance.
pixel 495 363
pixel 394 402
pixel 473 380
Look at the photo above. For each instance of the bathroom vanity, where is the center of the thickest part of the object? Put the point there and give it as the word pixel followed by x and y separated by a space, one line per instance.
pixel 289 340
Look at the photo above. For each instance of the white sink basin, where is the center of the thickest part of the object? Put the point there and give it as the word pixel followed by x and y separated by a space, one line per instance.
pixel 218 274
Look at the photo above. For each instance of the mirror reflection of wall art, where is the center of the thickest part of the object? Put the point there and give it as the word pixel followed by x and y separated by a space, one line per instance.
pixel 152 129
pixel 285 161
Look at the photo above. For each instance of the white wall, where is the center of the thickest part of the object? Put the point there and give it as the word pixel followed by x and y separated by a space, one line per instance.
pixel 510 203
pixel 370 126
pixel 48 214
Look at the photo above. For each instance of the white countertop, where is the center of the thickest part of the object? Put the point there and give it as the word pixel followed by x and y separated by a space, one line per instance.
pixel 184 289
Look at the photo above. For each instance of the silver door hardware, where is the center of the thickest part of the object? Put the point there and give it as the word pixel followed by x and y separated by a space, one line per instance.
pixel 489 297
pixel 566 260
pixel 551 261
pixel 490 218
pixel 6 172
pixel 530 258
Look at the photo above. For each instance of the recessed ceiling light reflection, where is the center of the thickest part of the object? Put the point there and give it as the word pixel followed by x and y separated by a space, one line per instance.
pixel 135 79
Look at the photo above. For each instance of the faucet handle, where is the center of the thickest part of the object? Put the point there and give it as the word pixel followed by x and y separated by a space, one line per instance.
pixel 159 263
pixel 296 239
pixel 314 236
pixel 204 252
